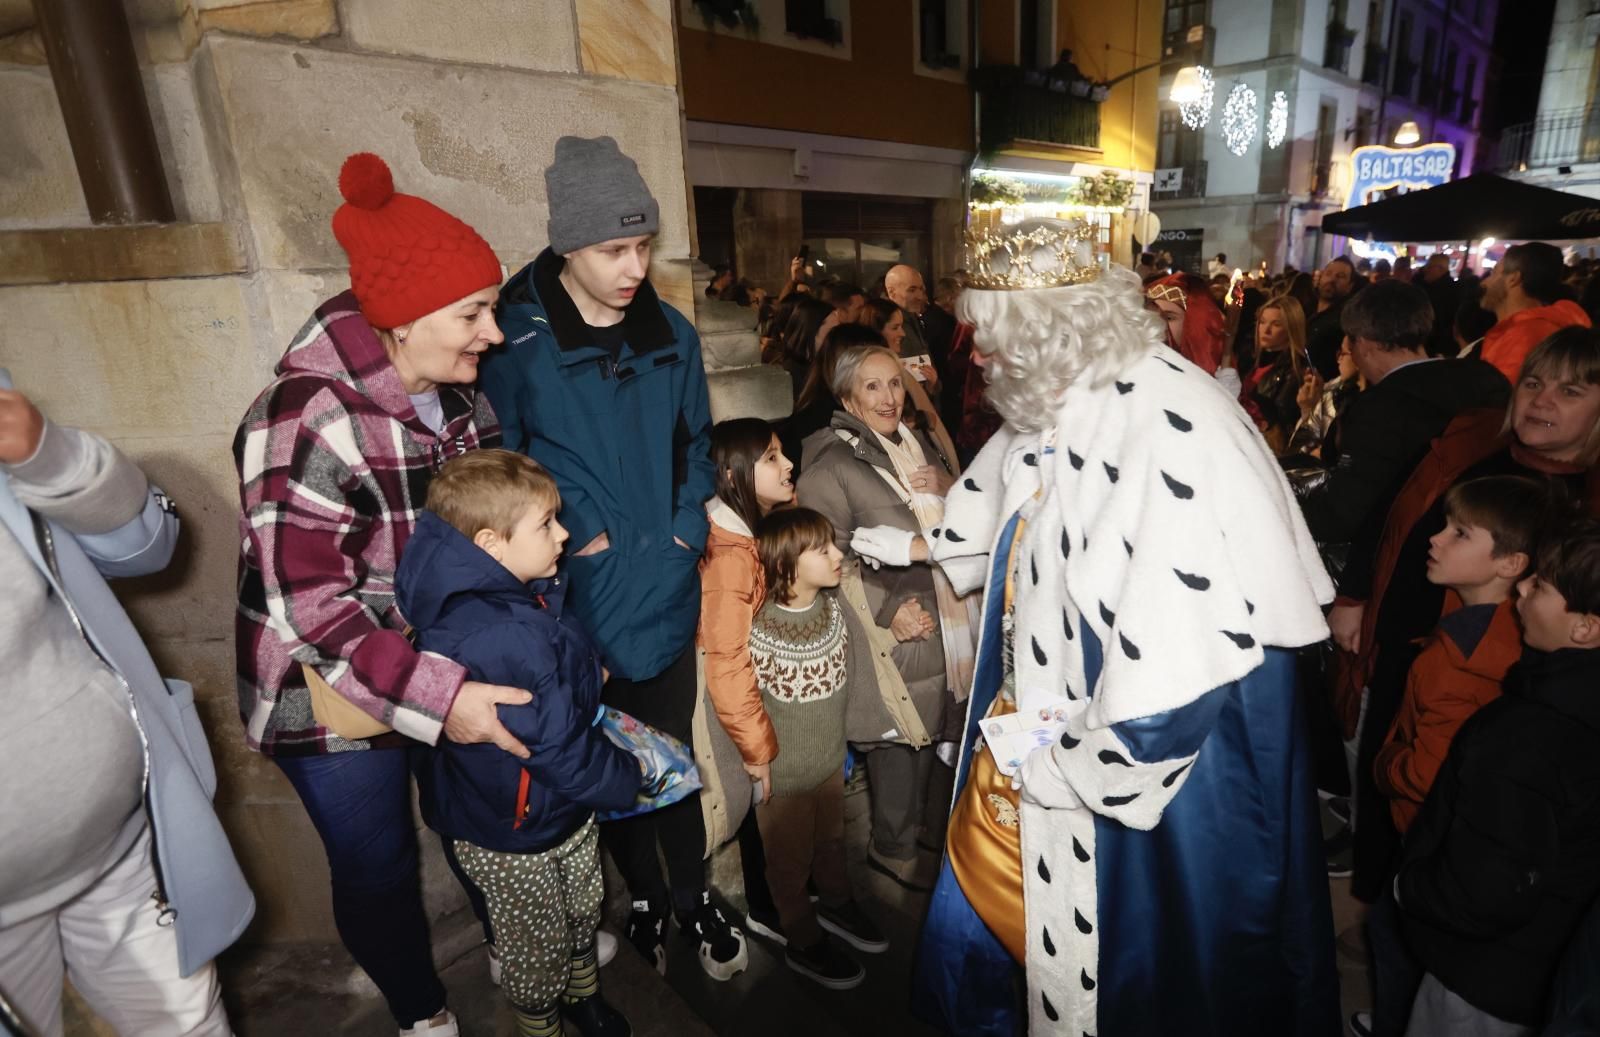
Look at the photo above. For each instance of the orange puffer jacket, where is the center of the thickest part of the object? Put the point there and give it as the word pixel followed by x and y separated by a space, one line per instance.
pixel 731 589
pixel 1509 342
pixel 1445 687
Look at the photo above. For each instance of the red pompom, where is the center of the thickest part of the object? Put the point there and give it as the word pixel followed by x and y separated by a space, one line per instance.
pixel 365 181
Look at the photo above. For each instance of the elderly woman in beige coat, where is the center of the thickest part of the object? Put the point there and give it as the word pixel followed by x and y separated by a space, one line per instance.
pixel 882 485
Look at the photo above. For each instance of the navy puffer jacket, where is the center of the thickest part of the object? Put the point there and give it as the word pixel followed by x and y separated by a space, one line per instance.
pixel 468 607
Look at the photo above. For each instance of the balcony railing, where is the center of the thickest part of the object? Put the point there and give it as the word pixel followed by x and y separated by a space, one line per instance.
pixel 1191 185
pixel 1321 179
pixel 1560 138
pixel 1011 109
pixel 1336 49
pixel 1373 65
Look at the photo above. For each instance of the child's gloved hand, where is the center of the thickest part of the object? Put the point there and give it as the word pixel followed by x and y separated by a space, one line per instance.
pixel 883 545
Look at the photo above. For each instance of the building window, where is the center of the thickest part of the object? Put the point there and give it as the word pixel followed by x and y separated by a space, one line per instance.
pixel 1336 49
pixel 1469 92
pixel 808 19
pixel 1322 157
pixel 1036 33
pixel 1366 126
pixel 1181 14
pixel 939 24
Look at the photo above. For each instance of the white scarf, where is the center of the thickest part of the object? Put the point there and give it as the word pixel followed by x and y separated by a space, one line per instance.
pixel 1165 524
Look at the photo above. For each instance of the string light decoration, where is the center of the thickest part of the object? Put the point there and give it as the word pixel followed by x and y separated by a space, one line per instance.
pixel 1278 119
pixel 1197 113
pixel 1239 119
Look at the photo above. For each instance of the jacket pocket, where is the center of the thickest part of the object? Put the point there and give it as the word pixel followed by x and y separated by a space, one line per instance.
pixel 195 745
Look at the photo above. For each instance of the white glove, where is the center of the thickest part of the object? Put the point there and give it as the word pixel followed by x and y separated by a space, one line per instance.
pixel 1229 379
pixel 1042 783
pixel 883 545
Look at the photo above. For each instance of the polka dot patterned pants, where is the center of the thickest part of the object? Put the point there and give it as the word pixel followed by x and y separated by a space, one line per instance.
pixel 544 908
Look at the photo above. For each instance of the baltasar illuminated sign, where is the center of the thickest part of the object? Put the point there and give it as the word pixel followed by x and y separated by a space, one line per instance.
pixel 1379 168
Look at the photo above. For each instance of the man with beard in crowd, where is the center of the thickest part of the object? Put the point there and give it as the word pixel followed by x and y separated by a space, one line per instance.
pixel 1324 334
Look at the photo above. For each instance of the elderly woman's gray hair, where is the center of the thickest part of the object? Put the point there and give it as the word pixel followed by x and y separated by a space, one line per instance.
pixel 849 364
pixel 1040 341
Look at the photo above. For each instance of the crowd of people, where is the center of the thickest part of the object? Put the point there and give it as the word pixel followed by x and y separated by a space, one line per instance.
pixel 1123 564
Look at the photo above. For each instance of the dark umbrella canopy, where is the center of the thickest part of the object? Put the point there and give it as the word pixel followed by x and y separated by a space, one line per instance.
pixel 1476 207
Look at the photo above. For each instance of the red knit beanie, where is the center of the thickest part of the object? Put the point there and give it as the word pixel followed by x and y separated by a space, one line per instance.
pixel 408 257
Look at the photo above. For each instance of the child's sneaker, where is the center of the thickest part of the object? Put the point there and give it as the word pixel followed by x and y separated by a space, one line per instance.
pixel 647 927
pixel 764 922
pixel 722 951
pixel 851 924
pixel 594 1017
pixel 826 964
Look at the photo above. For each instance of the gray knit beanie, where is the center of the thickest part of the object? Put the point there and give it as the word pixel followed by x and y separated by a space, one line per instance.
pixel 596 194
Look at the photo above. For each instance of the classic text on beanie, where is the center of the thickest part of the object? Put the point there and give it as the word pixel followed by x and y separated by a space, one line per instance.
pixel 408 257
pixel 596 194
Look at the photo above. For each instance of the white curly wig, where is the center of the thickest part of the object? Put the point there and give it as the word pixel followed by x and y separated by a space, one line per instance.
pixel 1039 341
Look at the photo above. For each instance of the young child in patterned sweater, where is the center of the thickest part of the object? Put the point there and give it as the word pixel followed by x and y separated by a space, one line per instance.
pixel 799 647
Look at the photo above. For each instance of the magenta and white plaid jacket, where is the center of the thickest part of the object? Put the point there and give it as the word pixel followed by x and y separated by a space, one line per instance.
pixel 333 469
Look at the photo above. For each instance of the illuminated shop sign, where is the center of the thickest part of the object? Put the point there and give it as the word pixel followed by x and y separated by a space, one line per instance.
pixel 1378 168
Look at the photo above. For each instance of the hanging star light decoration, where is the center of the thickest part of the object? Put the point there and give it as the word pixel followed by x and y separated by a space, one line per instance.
pixel 1197 113
pixel 1278 119
pixel 1239 119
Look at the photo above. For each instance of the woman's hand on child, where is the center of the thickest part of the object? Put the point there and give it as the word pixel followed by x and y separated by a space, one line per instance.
pixel 761 779
pixel 473 716
pixel 911 622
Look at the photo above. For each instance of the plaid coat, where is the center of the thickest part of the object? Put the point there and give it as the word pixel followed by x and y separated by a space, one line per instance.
pixel 333 467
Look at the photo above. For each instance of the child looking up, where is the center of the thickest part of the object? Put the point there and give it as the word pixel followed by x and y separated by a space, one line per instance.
pixel 478 582
pixel 804 663
pixel 753 477
pixel 1505 856
pixel 1480 554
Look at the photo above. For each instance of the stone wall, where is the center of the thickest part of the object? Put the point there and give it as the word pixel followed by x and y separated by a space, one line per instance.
pixel 161 344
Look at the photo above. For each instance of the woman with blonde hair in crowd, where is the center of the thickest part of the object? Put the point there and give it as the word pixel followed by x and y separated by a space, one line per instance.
pixel 1272 389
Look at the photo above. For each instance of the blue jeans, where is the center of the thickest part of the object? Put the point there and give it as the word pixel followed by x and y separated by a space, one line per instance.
pixel 360 803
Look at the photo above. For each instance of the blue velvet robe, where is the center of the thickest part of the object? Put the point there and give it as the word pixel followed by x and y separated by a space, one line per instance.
pixel 1217 921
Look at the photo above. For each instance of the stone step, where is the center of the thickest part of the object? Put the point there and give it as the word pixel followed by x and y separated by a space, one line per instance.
pixel 715 315
pixel 762 391
pixel 724 350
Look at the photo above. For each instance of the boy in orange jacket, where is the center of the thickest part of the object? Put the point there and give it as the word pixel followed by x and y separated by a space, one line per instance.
pixel 1483 550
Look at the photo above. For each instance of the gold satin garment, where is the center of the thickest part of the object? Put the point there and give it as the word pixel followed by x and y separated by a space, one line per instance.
pixel 985 846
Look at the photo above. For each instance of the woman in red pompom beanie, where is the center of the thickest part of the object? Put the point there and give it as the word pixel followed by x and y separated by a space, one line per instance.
pixel 334 458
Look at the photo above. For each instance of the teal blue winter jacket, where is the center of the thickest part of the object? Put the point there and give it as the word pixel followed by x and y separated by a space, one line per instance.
pixel 628 441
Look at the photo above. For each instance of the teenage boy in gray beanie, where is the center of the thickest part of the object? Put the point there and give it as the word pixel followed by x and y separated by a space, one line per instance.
pixel 602 383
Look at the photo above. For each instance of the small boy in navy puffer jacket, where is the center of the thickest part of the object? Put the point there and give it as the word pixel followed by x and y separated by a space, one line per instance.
pixel 478 582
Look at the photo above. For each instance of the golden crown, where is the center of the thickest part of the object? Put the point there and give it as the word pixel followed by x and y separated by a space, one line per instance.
pixel 1032 254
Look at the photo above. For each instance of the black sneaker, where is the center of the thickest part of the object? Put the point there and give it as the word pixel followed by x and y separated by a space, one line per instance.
pixel 851 924
pixel 764 922
pixel 646 930
pixel 826 964
pixel 722 951
pixel 595 1018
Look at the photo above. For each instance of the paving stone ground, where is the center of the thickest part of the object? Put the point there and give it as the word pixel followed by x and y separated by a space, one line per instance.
pixel 313 990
